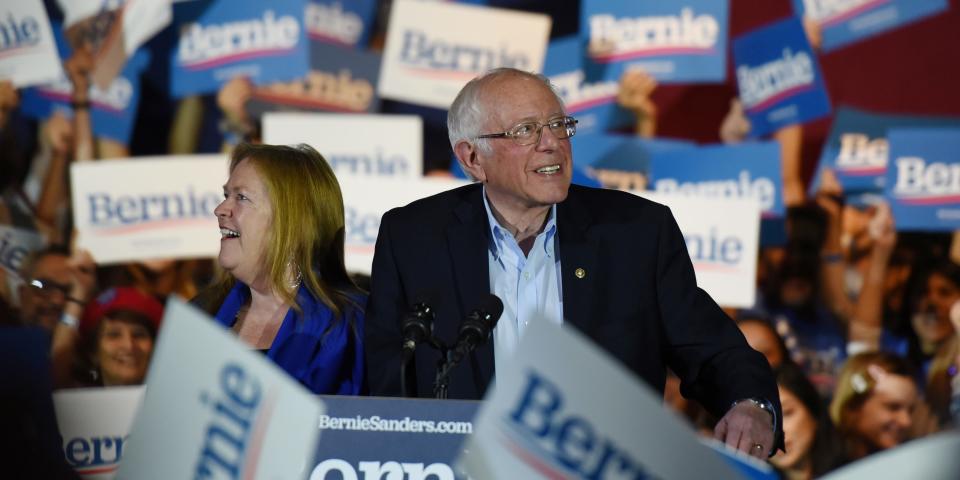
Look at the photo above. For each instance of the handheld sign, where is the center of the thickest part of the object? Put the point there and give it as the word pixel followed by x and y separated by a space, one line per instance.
pixel 95 426
pixel 432 51
pixel 382 146
pixel 16 244
pixel 566 409
pixel 28 54
pixel 779 80
pixel 216 409
pixel 345 23
pixel 675 42
pixel 843 22
pixel 923 179
pixel 131 210
pixel 931 458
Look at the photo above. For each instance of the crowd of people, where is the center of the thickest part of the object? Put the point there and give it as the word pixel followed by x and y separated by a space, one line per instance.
pixel 859 322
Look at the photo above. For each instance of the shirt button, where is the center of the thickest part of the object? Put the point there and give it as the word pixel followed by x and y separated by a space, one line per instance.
pixel 526 275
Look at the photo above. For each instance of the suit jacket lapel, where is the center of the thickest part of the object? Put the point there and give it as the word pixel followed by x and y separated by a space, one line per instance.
pixel 578 261
pixel 468 241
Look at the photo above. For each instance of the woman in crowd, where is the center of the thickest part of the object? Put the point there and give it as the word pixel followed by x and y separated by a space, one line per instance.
pixel 286 291
pixel 117 331
pixel 813 447
pixel 874 403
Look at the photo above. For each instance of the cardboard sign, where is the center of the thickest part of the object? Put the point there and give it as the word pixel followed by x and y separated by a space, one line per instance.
pixel 675 42
pixel 389 146
pixel 857 148
pixel 433 49
pixel 222 39
pixel 566 409
pixel 722 236
pixel 113 109
pixel 148 207
pixel 28 52
pixel 369 438
pixel 16 244
pixel 843 22
pixel 340 80
pixel 750 170
pixel 367 199
pixel 344 23
pixel 923 179
pixel 95 426
pixel 932 458
pixel 778 77
pixel 593 103
pixel 216 409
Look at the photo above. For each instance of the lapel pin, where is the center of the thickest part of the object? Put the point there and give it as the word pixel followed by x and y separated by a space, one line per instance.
pixel 580 273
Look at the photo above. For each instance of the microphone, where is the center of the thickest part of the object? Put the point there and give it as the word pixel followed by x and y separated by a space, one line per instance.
pixel 417 324
pixel 476 328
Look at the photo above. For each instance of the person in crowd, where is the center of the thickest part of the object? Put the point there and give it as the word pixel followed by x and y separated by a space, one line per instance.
pixel 118 331
pixel 813 447
pixel 51 280
pixel 623 261
pixel 936 346
pixel 762 337
pixel 285 290
pixel 874 403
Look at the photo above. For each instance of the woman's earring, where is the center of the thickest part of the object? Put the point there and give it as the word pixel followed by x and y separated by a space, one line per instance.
pixel 297 278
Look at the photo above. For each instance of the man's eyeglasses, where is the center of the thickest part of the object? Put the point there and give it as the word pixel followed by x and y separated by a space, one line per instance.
pixel 528 133
pixel 49 287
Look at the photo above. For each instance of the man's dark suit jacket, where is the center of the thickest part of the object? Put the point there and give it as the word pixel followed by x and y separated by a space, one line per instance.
pixel 638 298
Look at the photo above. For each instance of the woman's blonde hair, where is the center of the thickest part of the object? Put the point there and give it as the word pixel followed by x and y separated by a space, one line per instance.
pixel 857 381
pixel 306 233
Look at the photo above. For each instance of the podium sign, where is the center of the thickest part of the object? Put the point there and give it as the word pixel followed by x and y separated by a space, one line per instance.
pixel 371 437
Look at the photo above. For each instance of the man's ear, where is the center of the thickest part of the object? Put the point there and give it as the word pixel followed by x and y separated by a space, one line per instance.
pixel 466 154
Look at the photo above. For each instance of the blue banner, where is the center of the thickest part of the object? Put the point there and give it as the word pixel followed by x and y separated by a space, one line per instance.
pixel 340 80
pixel 364 437
pixel 750 170
pixel 923 179
pixel 843 22
pixel 112 111
pixel 344 23
pixel 857 147
pixel 778 77
pixel 675 42
pixel 222 39
pixel 593 103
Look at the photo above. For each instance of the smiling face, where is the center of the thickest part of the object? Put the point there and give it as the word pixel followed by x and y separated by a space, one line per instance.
pixel 884 419
pixel 123 352
pixel 245 217
pixel 933 323
pixel 520 177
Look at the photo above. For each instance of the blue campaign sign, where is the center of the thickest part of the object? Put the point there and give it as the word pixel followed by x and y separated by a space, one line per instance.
pixel 676 42
pixel 112 111
pixel 750 170
pixel 340 80
pixel 344 23
pixel 923 179
pixel 843 22
pixel 778 77
pixel 625 153
pixel 222 39
pixel 593 103
pixel 857 147
pixel 369 437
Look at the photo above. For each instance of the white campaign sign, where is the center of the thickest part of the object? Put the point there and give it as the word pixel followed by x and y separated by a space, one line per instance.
pixel 433 49
pixel 216 409
pixel 931 458
pixel 722 236
pixel 388 146
pixel 554 415
pixel 367 199
pixel 16 244
pixel 95 426
pixel 28 52
pixel 148 207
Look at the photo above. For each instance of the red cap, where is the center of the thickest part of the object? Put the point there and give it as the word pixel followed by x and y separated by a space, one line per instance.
pixel 120 298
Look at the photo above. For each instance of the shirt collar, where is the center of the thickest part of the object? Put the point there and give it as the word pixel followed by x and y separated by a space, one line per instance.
pixel 498 234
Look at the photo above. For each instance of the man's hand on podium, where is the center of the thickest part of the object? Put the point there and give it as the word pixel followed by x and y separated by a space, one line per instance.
pixel 747 427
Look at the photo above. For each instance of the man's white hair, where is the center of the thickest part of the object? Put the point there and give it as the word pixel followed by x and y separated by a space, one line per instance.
pixel 467 113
